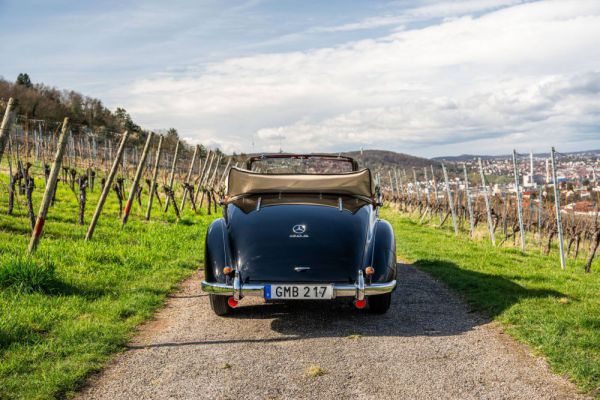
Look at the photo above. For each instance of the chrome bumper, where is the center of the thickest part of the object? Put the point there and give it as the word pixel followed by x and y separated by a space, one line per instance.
pixel 357 291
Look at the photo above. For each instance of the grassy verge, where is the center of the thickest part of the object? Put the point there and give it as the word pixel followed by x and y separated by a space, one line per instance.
pixel 556 312
pixel 67 309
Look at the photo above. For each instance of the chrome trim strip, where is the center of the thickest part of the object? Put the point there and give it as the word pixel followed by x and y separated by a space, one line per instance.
pixel 257 289
pixel 258 204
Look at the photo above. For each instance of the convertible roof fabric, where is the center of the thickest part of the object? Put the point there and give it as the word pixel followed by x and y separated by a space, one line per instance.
pixel 241 181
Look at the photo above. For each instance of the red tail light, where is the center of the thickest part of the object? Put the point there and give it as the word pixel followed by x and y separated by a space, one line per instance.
pixel 233 303
pixel 360 304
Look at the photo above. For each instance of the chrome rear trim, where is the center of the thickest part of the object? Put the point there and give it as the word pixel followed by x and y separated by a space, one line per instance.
pixel 237 287
pixel 360 286
pixel 258 289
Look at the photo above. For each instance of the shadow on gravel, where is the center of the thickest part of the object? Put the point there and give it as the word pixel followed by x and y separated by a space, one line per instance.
pixel 421 306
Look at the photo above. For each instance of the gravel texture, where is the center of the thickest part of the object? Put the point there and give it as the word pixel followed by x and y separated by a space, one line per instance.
pixel 428 346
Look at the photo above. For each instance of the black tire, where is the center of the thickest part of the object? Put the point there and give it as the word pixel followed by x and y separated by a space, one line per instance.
pixel 219 304
pixel 380 304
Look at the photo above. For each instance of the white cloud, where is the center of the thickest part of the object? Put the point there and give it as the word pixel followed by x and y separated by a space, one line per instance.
pixel 525 75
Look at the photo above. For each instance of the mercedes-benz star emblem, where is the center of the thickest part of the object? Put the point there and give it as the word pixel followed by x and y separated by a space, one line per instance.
pixel 299 229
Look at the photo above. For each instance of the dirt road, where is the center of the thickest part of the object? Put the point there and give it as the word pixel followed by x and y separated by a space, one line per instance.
pixel 429 346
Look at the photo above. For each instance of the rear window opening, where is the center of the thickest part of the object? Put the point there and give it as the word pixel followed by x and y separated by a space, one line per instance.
pixel 256 201
pixel 301 164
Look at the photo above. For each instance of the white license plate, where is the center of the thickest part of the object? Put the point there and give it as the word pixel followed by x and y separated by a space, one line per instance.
pixel 299 292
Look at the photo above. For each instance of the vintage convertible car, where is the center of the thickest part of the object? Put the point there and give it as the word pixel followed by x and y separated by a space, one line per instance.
pixel 300 236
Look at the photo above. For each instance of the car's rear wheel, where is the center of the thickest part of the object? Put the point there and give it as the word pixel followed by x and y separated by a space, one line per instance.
pixel 380 303
pixel 219 304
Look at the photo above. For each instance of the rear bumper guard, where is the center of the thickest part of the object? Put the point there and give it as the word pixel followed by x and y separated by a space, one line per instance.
pixel 358 290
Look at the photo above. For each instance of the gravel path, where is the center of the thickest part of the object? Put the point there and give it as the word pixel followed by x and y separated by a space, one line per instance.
pixel 427 347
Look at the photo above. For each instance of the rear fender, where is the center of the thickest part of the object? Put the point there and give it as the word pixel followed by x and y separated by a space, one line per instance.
pixel 217 252
pixel 382 253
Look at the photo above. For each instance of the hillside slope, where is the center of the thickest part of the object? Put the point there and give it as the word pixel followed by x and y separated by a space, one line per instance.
pixel 376 159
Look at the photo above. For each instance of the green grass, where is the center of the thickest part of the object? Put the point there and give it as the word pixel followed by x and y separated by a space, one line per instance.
pixel 66 310
pixel 556 312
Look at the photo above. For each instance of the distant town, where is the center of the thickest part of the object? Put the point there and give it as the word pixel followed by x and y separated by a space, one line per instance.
pixel 577 175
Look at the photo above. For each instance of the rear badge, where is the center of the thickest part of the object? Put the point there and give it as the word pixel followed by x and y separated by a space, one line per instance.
pixel 299 231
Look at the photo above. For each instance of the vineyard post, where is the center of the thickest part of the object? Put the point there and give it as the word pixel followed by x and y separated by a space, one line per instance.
pixel 430 204
pixel 435 193
pixel 561 245
pixel 36 147
pixel 399 189
pixel 214 175
pixel 540 210
pixel 487 203
pixel 8 115
pixel 210 186
pixel 519 201
pixel 187 178
pixel 427 205
pixel 426 183
pixel 450 202
pixel 107 187
pixel 109 150
pixel 403 187
pixel 391 183
pixel 224 175
pixel 418 192
pixel 201 177
pixel 213 181
pixel 154 176
pixel 409 195
pixel 172 174
pixel 94 158
pixel 49 191
pixel 136 179
pixel 11 177
pixel 469 204
pixel 205 181
pixel 89 167
pixel 125 164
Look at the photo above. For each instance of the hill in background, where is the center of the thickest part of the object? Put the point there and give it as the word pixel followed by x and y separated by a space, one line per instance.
pixel 378 159
pixel 42 106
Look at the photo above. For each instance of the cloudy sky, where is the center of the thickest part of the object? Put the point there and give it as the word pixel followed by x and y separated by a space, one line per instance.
pixel 422 77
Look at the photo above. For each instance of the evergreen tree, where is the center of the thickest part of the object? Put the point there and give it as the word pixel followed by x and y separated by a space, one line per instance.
pixel 23 79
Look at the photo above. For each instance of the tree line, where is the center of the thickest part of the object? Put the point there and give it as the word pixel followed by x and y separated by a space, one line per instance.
pixel 40 106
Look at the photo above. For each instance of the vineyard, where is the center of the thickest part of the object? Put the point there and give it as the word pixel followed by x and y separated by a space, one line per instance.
pixel 130 175
pixel 539 218
pixel 97 231
pixel 86 253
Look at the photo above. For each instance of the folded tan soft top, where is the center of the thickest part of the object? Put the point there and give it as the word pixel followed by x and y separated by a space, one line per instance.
pixel 241 182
